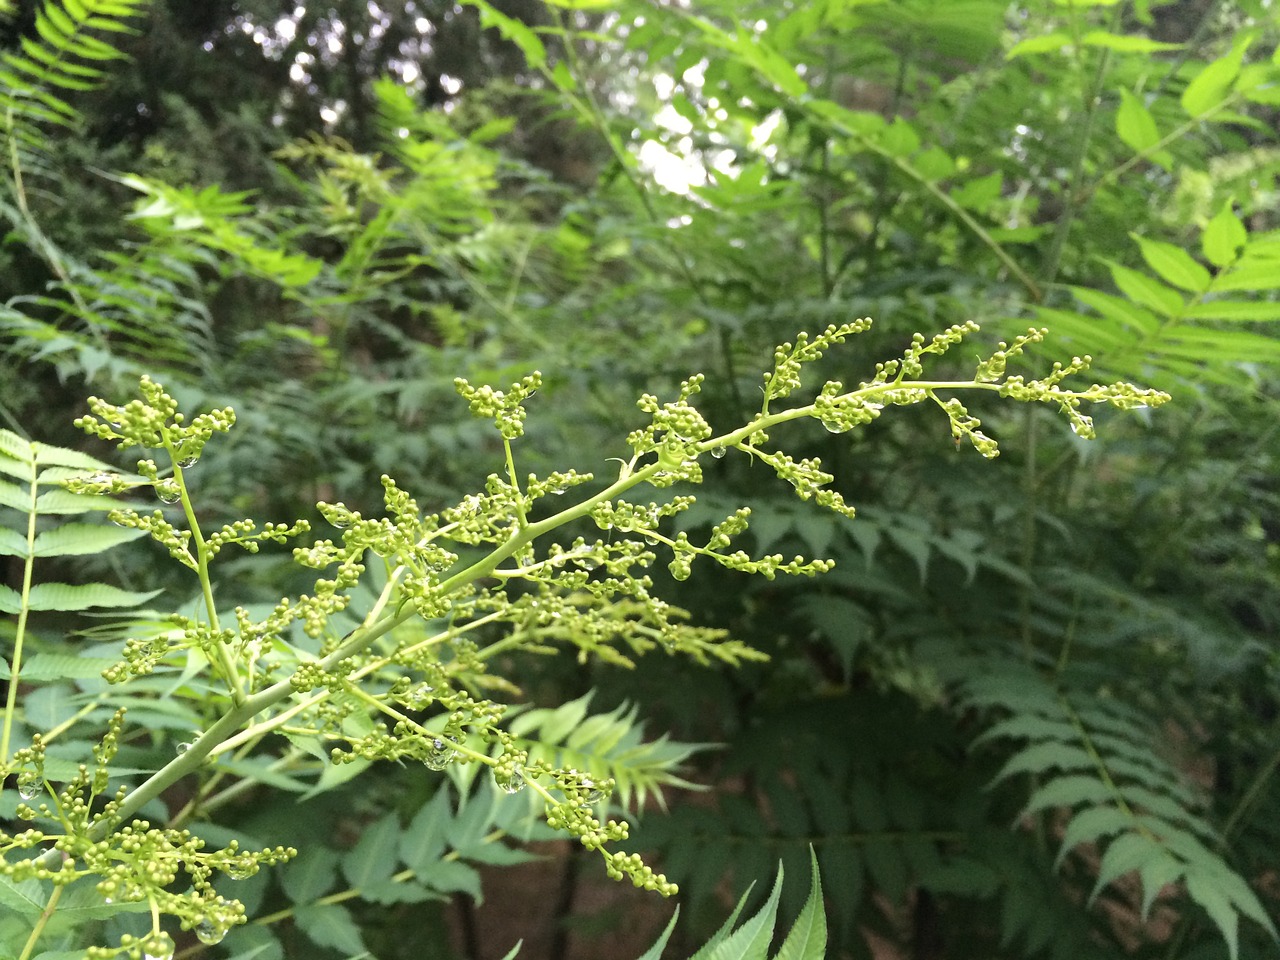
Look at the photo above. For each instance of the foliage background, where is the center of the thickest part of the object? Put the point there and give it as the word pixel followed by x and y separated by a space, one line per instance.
pixel 441 190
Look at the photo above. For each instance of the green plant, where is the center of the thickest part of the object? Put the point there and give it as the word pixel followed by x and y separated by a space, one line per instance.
pixel 452 591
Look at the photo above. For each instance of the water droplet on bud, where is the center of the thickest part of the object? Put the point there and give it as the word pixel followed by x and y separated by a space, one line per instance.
pixel 832 427
pixel 158 947
pixel 239 871
pixel 719 452
pixel 593 793
pixel 168 491
pixel 440 754
pixel 186 463
pixel 209 932
pixel 28 787
pixel 558 490
pixel 512 784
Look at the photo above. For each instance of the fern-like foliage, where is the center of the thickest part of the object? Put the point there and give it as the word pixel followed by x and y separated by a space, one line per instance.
pixel 67 58
pixel 41 520
pixel 611 743
pixel 1192 322
pixel 1096 760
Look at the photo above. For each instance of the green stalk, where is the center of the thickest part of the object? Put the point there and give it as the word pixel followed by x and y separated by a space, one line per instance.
pixel 15 668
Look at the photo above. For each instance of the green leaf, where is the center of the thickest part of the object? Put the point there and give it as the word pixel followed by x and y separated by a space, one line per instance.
pixel 655 951
pixel 61 666
pixel 78 539
pixel 1137 128
pixel 1144 290
pixel 1041 757
pixel 1211 85
pixel 980 193
pixel 751 940
pixel 1173 264
pixel 14 496
pixel 1249 276
pixel 1042 44
pixel 808 937
pixel 1240 310
pixel 1126 853
pixel 373 859
pixel 64 501
pixel 310 876
pixel 515 31
pixel 12 543
pixel 423 841
pixel 451 876
pixel 1218 905
pixel 1089 825
pixel 66 596
pixel 1223 237
pixel 719 936
pixel 900 139
pixel 330 925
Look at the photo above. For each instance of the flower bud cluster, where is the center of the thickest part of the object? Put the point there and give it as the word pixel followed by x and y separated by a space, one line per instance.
pixel 245 533
pixel 808 478
pixel 788 359
pixel 504 408
pixel 912 365
pixel 674 434
pixel 176 541
pixel 153 421
pixel 964 426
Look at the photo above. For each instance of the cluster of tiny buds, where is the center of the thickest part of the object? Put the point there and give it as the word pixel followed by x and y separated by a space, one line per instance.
pixel 618 865
pixel 505 408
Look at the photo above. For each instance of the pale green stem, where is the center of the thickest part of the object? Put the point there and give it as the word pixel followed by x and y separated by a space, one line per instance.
pixel 15 667
pixel 45 916
pixel 226 663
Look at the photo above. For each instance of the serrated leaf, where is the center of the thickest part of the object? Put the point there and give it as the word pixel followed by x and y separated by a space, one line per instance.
pixel 1146 290
pixel 451 876
pixel 1249 276
pixel 655 951
pixel 423 841
pixel 12 543
pixel 751 940
pixel 17 448
pixel 330 925
pixel 61 666
pixel 1092 824
pixel 1246 311
pixel 310 876
pixel 58 501
pixel 1067 792
pixel 513 30
pixel 373 859
pixel 722 933
pixel 1156 874
pixel 1173 264
pixel 807 939
pixel 1041 757
pixel 1126 853
pixel 1205 892
pixel 82 596
pixel 79 539
pixel 14 496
